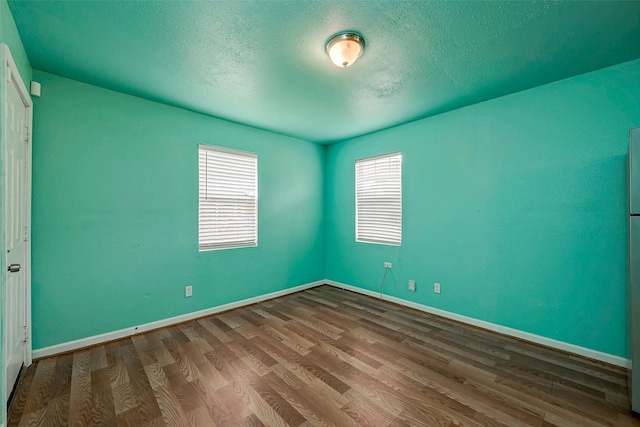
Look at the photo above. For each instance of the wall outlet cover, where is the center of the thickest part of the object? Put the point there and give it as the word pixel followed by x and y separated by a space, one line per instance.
pixel 188 291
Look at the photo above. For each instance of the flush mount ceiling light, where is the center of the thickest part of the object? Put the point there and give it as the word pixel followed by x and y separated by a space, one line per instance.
pixel 344 48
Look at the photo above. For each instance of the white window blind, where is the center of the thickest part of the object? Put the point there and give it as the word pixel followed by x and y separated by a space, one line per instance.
pixel 379 199
pixel 228 198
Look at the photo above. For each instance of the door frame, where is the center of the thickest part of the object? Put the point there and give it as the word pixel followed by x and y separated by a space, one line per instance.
pixel 9 74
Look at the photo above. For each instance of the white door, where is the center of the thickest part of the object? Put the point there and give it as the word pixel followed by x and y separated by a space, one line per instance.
pixel 15 221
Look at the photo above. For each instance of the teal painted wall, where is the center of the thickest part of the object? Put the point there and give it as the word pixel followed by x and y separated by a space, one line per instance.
pixel 516 206
pixel 10 36
pixel 115 197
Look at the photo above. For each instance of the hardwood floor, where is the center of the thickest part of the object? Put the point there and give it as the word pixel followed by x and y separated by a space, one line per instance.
pixel 321 357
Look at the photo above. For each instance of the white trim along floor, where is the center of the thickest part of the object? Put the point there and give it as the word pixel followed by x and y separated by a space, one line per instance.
pixel 526 336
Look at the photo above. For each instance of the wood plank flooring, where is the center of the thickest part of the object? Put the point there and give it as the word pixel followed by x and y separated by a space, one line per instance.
pixel 322 357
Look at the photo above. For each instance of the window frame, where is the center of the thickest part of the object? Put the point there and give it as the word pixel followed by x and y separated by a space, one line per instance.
pixel 240 243
pixel 358 232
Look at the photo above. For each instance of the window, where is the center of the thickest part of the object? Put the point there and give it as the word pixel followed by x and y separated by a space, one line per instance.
pixel 379 199
pixel 228 198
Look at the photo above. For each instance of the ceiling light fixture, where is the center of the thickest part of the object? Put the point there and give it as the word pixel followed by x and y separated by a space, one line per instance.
pixel 344 48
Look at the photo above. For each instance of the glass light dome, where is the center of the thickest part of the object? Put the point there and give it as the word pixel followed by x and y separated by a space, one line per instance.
pixel 344 48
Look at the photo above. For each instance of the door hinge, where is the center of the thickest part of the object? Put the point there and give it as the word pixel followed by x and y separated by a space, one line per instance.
pixel 27 134
pixel 25 333
pixel 26 233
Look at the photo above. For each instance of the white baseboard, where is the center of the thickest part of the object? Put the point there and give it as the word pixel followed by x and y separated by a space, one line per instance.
pixel 122 333
pixel 537 339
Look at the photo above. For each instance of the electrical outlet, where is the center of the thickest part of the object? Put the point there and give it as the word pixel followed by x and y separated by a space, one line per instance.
pixel 436 288
pixel 387 265
pixel 412 285
pixel 188 291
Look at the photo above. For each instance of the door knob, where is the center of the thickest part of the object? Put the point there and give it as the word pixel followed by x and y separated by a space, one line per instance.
pixel 14 268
